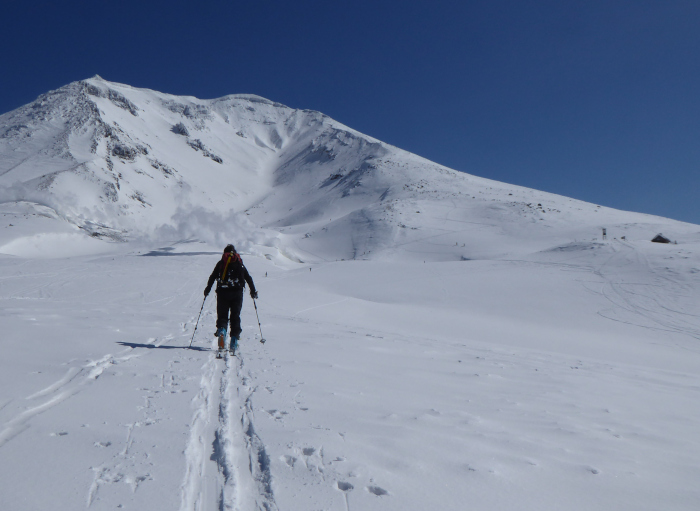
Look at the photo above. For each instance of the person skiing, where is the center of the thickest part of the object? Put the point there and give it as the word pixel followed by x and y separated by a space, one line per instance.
pixel 231 276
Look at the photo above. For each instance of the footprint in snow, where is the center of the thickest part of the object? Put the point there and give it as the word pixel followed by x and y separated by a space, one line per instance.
pixel 343 486
pixel 378 491
pixel 277 414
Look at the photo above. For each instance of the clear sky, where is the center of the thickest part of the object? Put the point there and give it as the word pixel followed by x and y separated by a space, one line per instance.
pixel 593 99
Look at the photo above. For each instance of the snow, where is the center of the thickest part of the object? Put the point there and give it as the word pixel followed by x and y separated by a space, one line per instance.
pixel 434 340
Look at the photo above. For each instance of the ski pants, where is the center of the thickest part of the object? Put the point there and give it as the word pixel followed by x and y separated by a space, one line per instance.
pixel 229 304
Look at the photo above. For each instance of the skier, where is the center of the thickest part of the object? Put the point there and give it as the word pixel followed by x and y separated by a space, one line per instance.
pixel 230 276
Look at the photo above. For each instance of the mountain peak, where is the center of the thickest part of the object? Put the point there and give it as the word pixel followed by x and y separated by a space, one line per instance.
pixel 121 162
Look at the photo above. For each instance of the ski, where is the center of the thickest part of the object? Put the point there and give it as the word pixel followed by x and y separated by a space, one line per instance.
pixel 221 338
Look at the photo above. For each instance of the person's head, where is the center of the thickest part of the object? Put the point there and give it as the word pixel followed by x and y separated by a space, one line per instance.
pixel 229 248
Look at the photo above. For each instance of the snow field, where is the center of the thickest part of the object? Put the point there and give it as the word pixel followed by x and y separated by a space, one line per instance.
pixel 569 382
pixel 498 412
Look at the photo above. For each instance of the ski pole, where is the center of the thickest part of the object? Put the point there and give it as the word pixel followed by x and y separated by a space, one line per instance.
pixel 195 326
pixel 262 339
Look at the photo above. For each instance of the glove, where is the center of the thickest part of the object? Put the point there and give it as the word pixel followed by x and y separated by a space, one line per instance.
pixel 253 294
pixel 207 290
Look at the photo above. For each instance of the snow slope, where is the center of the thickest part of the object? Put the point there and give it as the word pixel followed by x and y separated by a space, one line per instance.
pixel 434 340
pixel 124 163
pixel 567 382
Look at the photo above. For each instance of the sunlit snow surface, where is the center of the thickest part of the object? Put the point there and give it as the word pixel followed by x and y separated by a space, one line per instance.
pixel 568 380
pixel 434 340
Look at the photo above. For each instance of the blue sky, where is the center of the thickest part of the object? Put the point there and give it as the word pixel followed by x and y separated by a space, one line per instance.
pixel 596 100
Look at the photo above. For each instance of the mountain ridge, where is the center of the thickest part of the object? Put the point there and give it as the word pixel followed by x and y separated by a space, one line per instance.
pixel 120 162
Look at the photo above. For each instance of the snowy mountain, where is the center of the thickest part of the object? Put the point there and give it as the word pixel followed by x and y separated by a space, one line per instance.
pixel 435 340
pixel 124 163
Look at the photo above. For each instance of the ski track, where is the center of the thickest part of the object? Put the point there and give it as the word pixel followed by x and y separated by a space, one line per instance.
pixel 69 385
pixel 641 303
pixel 195 452
pixel 226 464
pixel 658 303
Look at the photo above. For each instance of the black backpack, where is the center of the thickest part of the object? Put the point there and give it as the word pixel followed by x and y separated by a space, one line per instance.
pixel 231 276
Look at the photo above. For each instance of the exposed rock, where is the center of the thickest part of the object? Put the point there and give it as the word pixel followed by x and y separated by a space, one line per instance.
pixel 120 101
pixel 180 129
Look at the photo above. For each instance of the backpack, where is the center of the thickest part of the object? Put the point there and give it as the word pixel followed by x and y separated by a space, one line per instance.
pixel 231 276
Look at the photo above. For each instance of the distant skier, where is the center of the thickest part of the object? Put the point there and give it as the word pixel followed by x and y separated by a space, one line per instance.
pixel 231 277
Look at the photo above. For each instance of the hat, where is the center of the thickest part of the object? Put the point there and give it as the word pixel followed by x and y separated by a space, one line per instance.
pixel 229 248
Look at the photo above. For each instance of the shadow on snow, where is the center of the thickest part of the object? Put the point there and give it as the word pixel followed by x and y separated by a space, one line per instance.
pixel 162 346
pixel 162 252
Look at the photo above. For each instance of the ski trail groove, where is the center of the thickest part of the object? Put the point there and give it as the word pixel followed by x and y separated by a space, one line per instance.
pixel 75 379
pixel 70 374
pixel 193 487
pixel 224 452
pixel 227 465
pixel 259 468
pixel 643 302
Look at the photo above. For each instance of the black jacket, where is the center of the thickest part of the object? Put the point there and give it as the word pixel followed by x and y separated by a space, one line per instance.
pixel 235 279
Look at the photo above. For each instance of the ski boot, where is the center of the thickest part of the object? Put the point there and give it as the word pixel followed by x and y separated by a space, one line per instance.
pixel 234 345
pixel 221 337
